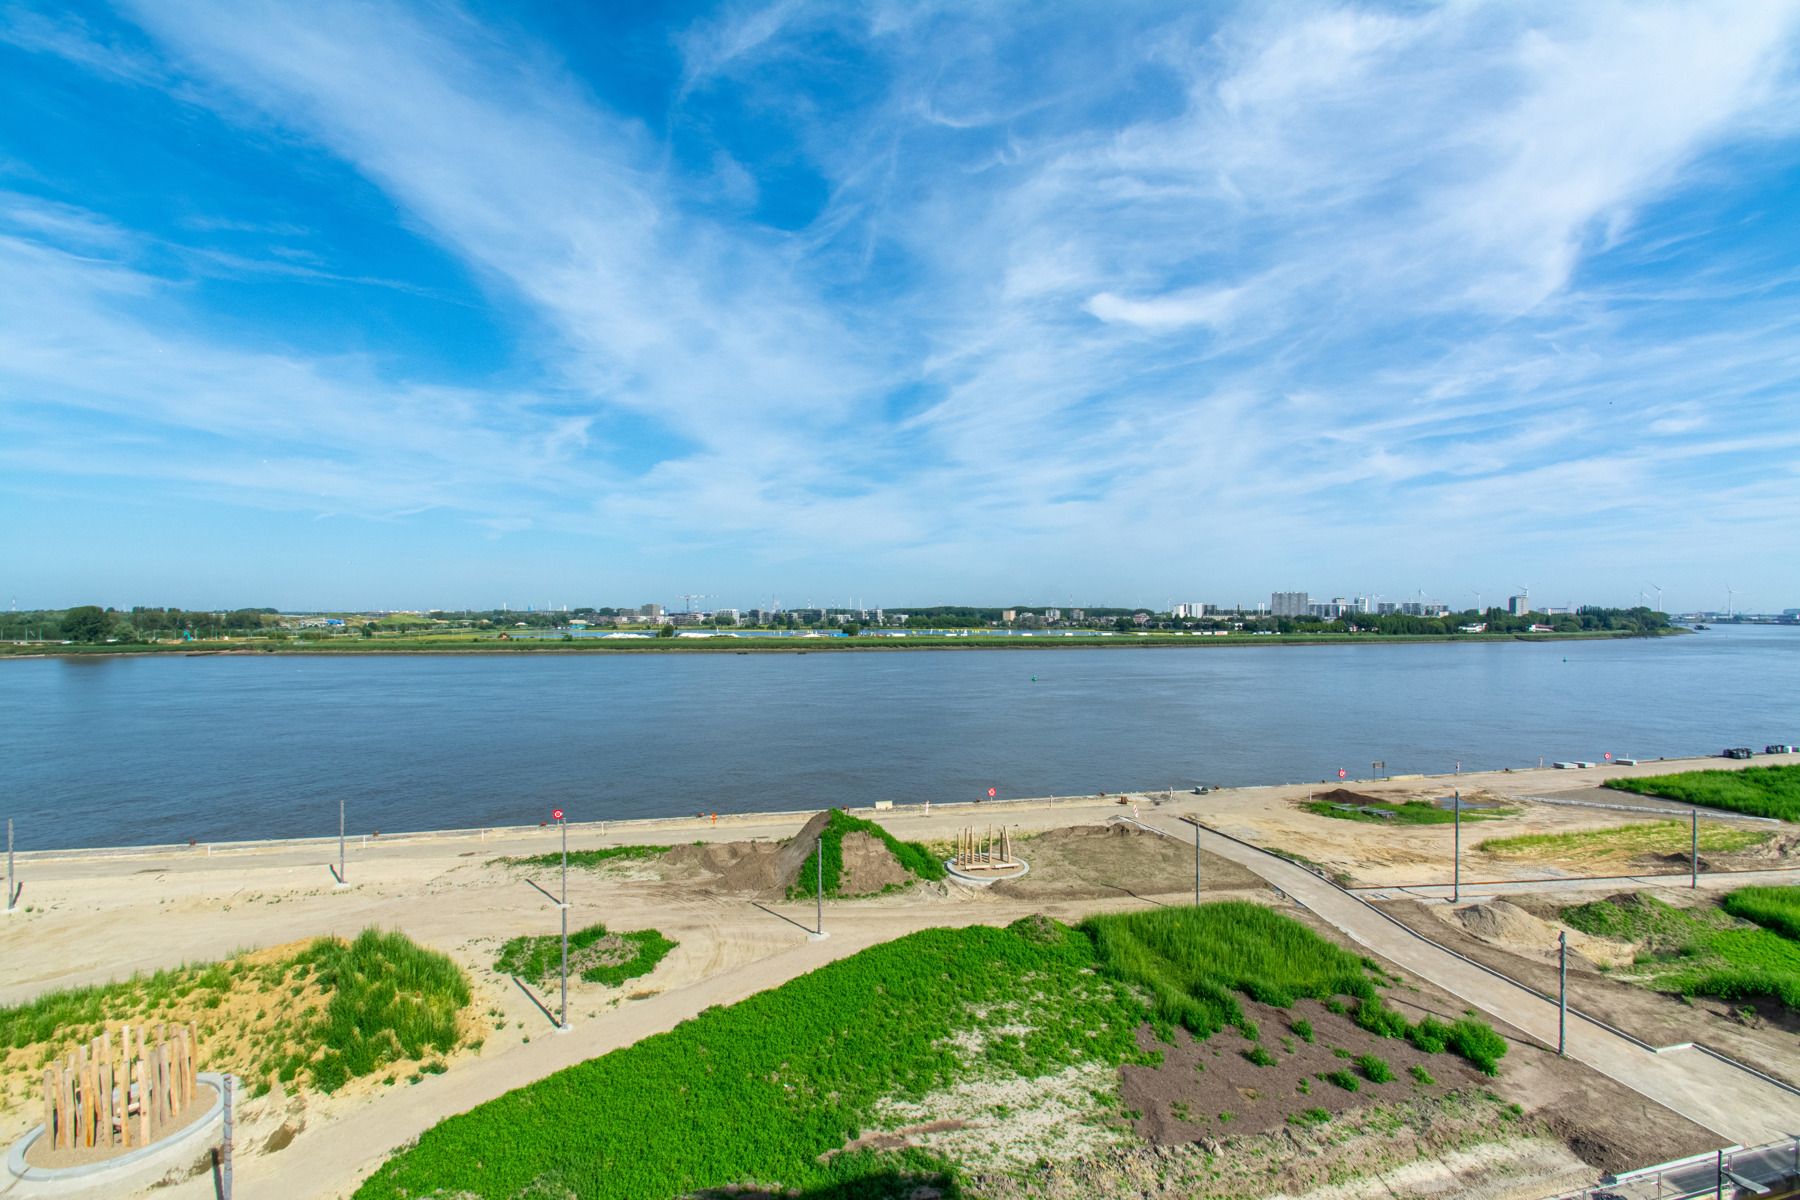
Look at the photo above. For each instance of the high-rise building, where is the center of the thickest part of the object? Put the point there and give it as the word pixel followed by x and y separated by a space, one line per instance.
pixel 1289 604
pixel 650 610
pixel 1518 606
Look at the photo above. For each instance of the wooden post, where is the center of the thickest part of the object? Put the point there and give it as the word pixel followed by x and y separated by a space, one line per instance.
pixel 65 1108
pixel 107 1131
pixel 90 1109
pixel 141 1068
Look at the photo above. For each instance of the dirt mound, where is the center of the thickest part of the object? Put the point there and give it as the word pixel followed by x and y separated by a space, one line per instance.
pixel 1501 923
pixel 1506 924
pixel 1346 796
pixel 757 867
pixel 869 866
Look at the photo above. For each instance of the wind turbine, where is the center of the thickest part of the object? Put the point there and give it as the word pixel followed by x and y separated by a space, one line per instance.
pixel 1525 594
pixel 1729 593
pixel 1478 602
pixel 1658 590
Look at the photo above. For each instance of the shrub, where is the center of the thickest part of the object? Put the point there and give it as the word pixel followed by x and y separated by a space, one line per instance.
pixel 1379 1019
pixel 1430 1035
pixel 1375 1068
pixel 1476 1041
pixel 1260 1056
pixel 1310 1116
pixel 1343 1079
pixel 1420 1075
pixel 1303 1030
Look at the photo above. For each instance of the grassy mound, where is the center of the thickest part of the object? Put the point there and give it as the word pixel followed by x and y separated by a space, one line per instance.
pixel 1626 841
pixel 1697 951
pixel 594 954
pixel 1759 791
pixel 320 1015
pixel 775 1091
pixel 1775 908
pixel 916 859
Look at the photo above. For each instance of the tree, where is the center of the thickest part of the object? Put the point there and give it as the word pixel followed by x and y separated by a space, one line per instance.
pixel 851 629
pixel 666 631
pixel 88 623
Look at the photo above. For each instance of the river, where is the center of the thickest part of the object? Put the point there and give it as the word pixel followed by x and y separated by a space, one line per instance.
pixel 166 748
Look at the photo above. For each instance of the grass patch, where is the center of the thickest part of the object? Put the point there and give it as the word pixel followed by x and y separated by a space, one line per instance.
pixel 594 955
pixel 1625 841
pixel 1303 1030
pixel 319 1017
pixel 788 1076
pixel 1342 1078
pixel 917 860
pixel 1759 791
pixel 1375 1068
pixel 1774 908
pixel 1701 951
pixel 1412 812
pixel 586 858
pixel 1308 1117
pixel 1420 1075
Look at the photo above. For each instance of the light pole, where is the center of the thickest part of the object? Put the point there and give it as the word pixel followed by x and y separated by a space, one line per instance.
pixel 1694 850
pixel 342 879
pixel 564 906
pixel 1196 864
pixel 1456 851
pixel 1562 992
pixel 12 893
pixel 819 920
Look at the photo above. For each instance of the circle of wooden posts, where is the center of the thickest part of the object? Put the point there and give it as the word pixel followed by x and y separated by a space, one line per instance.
pixel 989 850
pixel 124 1094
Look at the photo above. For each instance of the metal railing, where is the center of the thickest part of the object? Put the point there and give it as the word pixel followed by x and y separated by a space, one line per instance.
pixel 1772 1169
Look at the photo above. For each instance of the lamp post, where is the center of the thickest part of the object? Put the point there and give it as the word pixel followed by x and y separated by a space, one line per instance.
pixel 1196 864
pixel 1694 850
pixel 564 906
pixel 1456 851
pixel 12 893
pixel 819 919
pixel 342 879
pixel 1562 992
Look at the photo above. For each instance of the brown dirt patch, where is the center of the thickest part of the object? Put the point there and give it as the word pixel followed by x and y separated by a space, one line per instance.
pixel 1764 1037
pixel 869 866
pixel 1084 862
pixel 759 868
pixel 1210 1089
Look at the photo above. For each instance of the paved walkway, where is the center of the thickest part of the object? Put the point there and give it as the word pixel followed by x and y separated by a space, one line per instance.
pixel 1730 1102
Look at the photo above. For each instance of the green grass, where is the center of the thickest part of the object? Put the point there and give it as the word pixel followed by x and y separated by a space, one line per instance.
pixel 1374 1068
pixel 763 1090
pixel 334 1011
pixel 1412 812
pixel 1343 1079
pixel 390 999
pixel 1644 837
pixel 917 860
pixel 539 959
pixel 586 858
pixel 1759 791
pixel 1701 951
pixel 1774 908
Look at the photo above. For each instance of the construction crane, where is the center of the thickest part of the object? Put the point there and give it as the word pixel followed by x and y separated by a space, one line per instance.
pixel 687 601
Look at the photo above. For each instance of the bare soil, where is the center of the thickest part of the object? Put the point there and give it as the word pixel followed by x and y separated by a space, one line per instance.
pixel 1085 862
pixel 1211 1089
pixel 1763 1035
pixel 756 868
pixel 869 866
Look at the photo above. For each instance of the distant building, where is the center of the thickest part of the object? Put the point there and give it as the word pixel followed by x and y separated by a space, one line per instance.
pixel 1140 618
pixel 1078 614
pixel 1009 615
pixel 650 610
pixel 1052 615
pixel 1518 606
pixel 1289 604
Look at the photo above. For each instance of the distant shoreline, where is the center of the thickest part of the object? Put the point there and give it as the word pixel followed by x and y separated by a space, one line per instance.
pixel 733 644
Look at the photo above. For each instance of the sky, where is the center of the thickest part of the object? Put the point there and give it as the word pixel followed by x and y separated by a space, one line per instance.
pixel 365 305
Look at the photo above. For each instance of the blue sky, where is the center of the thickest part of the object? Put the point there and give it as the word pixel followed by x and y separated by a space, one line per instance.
pixel 346 304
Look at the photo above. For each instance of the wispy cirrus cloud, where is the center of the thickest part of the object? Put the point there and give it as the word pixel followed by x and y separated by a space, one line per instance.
pixel 1072 300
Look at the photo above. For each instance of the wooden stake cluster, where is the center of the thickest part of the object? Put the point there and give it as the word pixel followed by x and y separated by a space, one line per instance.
pixel 94 1099
pixel 986 851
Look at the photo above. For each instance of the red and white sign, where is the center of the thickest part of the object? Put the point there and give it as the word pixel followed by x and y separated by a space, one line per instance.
pixel 1609 756
pixel 556 814
pixel 990 793
pixel 1342 773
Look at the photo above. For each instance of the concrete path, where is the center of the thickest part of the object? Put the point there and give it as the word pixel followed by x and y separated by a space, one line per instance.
pixel 1723 882
pixel 1730 1102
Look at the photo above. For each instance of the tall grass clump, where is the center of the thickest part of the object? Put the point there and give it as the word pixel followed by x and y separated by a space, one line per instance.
pixel 916 859
pixel 1644 837
pixel 1774 908
pixel 1700 951
pixel 390 999
pixel 1759 791
pixel 1194 960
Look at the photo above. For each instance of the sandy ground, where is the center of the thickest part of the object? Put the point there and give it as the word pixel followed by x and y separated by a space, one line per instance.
pixel 95 916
